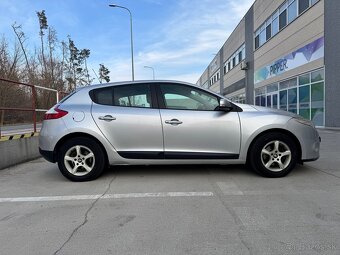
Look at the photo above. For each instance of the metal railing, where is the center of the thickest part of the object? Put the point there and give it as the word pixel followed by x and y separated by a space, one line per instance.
pixel 29 92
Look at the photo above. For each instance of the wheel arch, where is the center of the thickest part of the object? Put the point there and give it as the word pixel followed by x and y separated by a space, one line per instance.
pixel 76 135
pixel 278 130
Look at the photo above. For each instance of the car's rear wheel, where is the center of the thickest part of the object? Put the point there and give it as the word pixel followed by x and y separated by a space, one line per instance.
pixel 273 155
pixel 81 159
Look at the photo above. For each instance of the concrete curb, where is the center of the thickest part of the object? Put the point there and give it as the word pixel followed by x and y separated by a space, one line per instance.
pixel 13 152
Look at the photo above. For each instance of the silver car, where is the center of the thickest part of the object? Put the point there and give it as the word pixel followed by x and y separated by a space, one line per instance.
pixel 168 122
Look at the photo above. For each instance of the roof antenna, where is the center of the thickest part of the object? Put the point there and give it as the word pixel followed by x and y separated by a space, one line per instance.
pixel 96 76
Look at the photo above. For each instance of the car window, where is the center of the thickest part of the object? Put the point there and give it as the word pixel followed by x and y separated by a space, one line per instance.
pixel 132 96
pixel 136 95
pixel 103 96
pixel 187 98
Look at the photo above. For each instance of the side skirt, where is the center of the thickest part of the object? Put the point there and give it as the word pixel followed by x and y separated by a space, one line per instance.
pixel 175 155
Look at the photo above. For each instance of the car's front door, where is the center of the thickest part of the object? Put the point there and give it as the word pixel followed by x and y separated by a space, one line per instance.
pixel 193 127
pixel 129 119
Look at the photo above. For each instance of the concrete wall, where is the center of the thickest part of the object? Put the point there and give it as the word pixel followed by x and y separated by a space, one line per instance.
pixel 14 152
pixel 234 42
pixel 249 38
pixel 204 77
pixel 332 56
pixel 215 87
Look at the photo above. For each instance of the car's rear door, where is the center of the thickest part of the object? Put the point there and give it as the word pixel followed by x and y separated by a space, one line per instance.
pixel 128 117
pixel 193 126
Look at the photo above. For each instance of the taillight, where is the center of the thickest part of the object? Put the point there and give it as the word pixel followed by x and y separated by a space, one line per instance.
pixel 55 115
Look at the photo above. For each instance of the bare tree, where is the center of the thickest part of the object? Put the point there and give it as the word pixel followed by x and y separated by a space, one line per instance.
pixel 42 26
pixel 21 38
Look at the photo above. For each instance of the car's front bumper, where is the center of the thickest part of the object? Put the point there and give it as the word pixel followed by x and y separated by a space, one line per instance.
pixel 309 139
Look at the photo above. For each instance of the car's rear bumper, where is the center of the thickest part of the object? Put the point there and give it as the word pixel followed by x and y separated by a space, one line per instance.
pixel 48 155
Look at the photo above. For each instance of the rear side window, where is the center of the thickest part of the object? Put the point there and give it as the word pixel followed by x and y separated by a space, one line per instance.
pixel 136 95
pixel 103 96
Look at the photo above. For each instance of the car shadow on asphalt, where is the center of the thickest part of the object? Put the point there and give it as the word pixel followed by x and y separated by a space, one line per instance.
pixel 230 171
pixel 177 170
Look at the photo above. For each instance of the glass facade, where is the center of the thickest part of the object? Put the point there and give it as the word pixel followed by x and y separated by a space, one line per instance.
pixel 241 98
pixel 303 95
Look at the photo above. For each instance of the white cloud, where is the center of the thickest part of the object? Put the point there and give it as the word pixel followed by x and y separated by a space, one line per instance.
pixel 186 42
pixel 180 47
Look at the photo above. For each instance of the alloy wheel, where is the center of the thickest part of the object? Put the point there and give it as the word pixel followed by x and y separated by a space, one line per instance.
pixel 276 156
pixel 79 160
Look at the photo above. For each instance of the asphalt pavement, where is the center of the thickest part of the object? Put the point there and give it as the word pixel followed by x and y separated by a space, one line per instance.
pixel 173 209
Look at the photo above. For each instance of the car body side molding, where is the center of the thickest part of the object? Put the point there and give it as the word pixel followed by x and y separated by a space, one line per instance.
pixel 175 155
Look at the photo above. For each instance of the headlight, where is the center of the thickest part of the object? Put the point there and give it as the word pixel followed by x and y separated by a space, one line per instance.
pixel 304 122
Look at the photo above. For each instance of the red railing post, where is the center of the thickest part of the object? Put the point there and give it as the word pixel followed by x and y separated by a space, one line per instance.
pixel 34 108
pixel 34 101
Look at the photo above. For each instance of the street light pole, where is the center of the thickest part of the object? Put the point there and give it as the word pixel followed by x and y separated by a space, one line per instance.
pixel 153 70
pixel 131 35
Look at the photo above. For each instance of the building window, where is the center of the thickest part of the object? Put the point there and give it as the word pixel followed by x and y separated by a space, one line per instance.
pixel 292 11
pixel 283 19
pixel 240 56
pixel 303 5
pixel 304 101
pixel 292 100
pixel 286 14
pixel 257 41
pixel 268 32
pixel 241 98
pixel 275 26
pixel 262 37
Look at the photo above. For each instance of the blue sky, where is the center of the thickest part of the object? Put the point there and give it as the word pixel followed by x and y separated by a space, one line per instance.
pixel 177 37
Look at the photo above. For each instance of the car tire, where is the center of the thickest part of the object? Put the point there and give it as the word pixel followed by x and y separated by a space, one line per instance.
pixel 81 159
pixel 273 155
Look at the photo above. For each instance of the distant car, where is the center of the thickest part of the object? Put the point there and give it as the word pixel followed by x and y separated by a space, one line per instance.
pixel 168 122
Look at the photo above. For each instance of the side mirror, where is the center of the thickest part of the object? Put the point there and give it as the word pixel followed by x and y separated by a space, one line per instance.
pixel 225 105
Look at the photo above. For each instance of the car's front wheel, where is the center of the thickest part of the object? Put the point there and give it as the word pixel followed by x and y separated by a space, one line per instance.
pixel 273 155
pixel 81 159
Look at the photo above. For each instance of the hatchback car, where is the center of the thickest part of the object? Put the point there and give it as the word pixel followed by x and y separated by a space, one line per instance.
pixel 168 122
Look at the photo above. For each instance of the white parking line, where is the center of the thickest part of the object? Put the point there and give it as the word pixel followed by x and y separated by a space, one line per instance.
pixel 107 196
pixel 229 188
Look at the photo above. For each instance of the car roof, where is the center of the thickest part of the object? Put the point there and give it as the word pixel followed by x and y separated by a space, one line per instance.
pixel 138 82
pixel 103 85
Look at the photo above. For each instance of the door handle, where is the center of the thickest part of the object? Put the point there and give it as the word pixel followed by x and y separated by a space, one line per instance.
pixel 107 118
pixel 173 122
